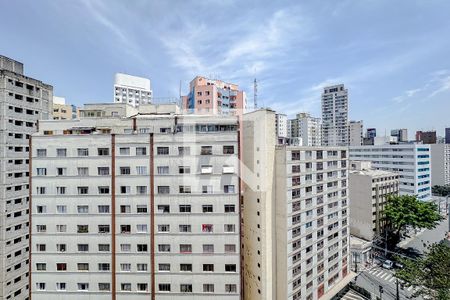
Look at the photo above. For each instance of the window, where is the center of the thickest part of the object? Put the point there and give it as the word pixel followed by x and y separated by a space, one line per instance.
pixel 163 228
pixel 125 228
pixel 206 169
pixel 103 209
pixel 141 151
pixel 186 267
pixel 103 247
pixel 61 171
pixel 83 286
pixel 61 190
pixel 141 228
pixel 163 170
pixel 61 228
pixel 230 248
pixel 102 171
pixel 125 171
pixel 208 268
pixel 61 267
pixel 41 228
pixel 229 208
pixel 83 151
pixel 83 190
pixel 40 286
pixel 41 152
pixel 41 266
pixel 103 228
pixel 142 287
pixel 61 286
pixel 186 288
pixel 230 268
pixel 103 151
pixel 104 286
pixel 41 171
pixel 208 248
pixel 164 287
pixel 62 152
pixel 103 267
pixel 184 150
pixel 164 248
pixel 141 170
pixel 162 150
pixel 185 248
pixel 83 171
pixel 141 189
pixel 124 151
pixel 40 190
pixel 185 228
pixel 164 267
pixel 141 209
pixel 41 209
pixel 184 189
pixel 229 228
pixel 125 209
pixel 230 288
pixel 83 209
pixel 83 266
pixel 142 267
pixel 228 189
pixel 206 150
pixel 163 190
pixel 208 288
pixel 164 209
pixel 228 149
pixel 207 208
pixel 61 209
pixel 125 267
pixel 184 170
pixel 207 228
pixel 103 190
pixel 185 208
pixel 41 247
pixel 125 247
pixel 207 189
pixel 83 228
pixel 125 189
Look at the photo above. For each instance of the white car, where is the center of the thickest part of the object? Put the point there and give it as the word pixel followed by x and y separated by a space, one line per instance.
pixel 388 264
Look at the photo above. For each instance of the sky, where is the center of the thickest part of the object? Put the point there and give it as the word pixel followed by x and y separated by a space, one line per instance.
pixel 393 56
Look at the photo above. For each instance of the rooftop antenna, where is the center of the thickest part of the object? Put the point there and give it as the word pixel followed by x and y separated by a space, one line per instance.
pixel 179 91
pixel 255 94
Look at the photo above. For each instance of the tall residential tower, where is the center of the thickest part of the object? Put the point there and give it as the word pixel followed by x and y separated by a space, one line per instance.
pixel 335 116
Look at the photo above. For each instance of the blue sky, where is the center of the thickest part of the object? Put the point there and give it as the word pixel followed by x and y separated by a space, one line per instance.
pixel 394 56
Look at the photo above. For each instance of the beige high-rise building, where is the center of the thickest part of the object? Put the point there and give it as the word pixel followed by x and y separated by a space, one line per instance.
pixel 295 216
pixel 63 111
pixel 369 190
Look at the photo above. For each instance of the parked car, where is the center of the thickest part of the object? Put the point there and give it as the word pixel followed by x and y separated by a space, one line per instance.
pixel 388 264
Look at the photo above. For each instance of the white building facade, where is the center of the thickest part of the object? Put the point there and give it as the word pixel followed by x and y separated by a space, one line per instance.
pixel 281 125
pixel 412 162
pixel 306 127
pixel 24 101
pixel 335 116
pixel 355 134
pixel 128 208
pixel 440 164
pixel 132 90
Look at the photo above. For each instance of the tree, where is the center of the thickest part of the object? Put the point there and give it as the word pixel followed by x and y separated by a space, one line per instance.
pixel 441 190
pixel 430 273
pixel 406 210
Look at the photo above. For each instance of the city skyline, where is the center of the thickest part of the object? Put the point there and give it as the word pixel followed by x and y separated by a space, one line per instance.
pixel 394 58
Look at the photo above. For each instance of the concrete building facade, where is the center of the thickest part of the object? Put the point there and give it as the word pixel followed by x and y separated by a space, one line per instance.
pixel 335 116
pixel 211 96
pixel 136 208
pixel 306 127
pixel 369 190
pixel 426 137
pixel 24 101
pixel 401 134
pixel 63 111
pixel 132 90
pixel 411 161
pixel 281 125
pixel 440 164
pixel 295 230
pixel 355 133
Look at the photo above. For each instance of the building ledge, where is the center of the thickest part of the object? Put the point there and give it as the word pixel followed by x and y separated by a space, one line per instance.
pixel 339 286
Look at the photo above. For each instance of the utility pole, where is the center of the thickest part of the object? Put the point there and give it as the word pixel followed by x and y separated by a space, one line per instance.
pixel 380 288
pixel 397 297
pixel 255 94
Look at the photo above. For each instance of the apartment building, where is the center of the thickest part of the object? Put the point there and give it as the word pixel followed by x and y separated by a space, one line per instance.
pixel 411 161
pixel 306 127
pixel 335 116
pixel 400 134
pixel 23 101
pixel 136 208
pixel 426 137
pixel 281 125
pixel 355 133
pixel 132 90
pixel 213 96
pixel 295 220
pixel 440 164
pixel 63 111
pixel 369 190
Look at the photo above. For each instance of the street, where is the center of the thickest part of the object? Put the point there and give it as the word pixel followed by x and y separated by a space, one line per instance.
pixel 426 237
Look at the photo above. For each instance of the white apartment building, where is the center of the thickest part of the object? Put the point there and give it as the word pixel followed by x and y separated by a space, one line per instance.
pixel 411 161
pixel 132 90
pixel 440 164
pixel 355 134
pixel 335 116
pixel 295 219
pixel 369 190
pixel 281 125
pixel 306 127
pixel 23 101
pixel 136 208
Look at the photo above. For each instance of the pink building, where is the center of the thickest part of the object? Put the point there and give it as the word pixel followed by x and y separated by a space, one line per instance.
pixel 209 96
